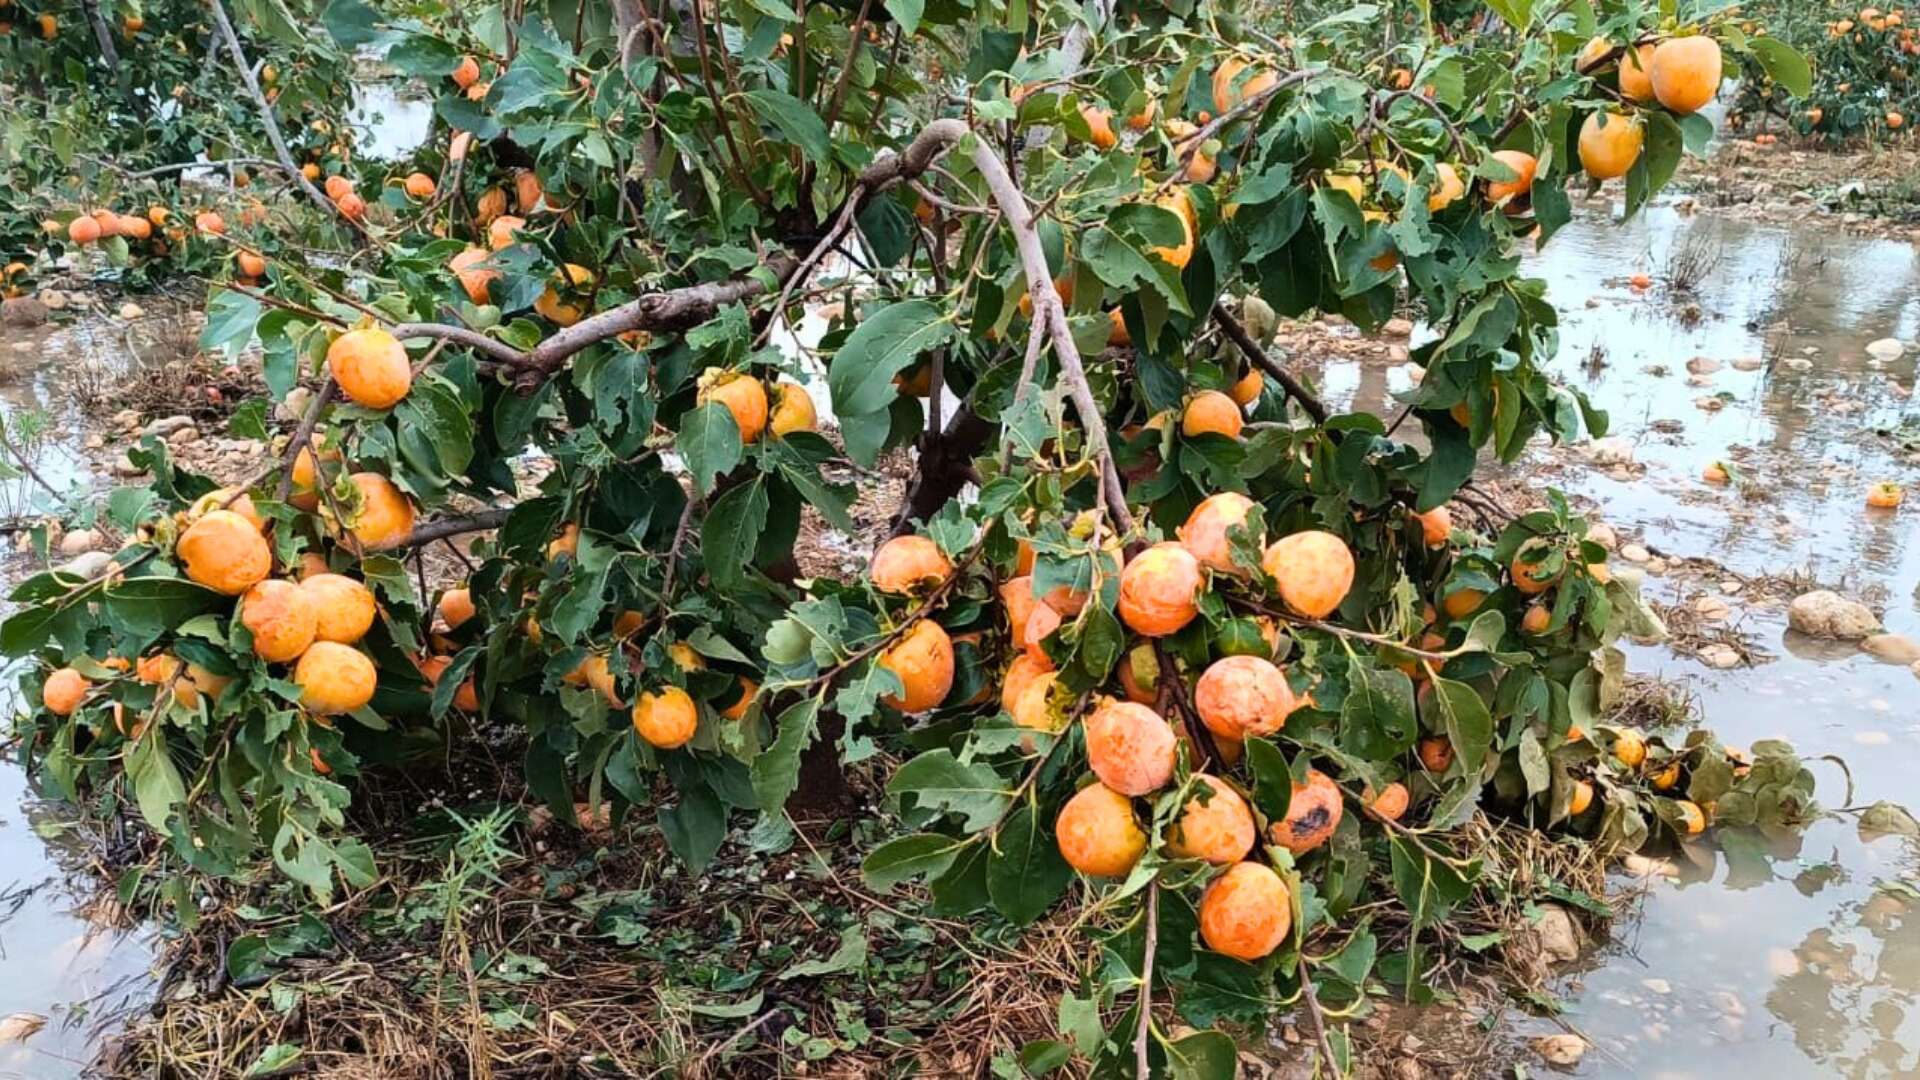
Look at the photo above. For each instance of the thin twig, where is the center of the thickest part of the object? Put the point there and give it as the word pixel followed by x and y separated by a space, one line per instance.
pixel 302 436
pixel 1142 1034
pixel 481 521
pixel 265 107
pixel 1259 358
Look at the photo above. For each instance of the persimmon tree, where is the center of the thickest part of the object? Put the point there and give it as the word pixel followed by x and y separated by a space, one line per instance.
pixel 1136 542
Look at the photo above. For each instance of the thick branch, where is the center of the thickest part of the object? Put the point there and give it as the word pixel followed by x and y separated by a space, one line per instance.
pixel 445 527
pixel 280 151
pixel 1258 357
pixel 104 37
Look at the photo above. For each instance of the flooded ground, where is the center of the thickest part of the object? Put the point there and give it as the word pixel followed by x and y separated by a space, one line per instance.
pixel 1754 955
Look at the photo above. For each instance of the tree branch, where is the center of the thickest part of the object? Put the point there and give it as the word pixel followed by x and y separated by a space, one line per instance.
pixel 480 521
pixel 280 151
pixel 302 436
pixel 1258 357
pixel 1141 1034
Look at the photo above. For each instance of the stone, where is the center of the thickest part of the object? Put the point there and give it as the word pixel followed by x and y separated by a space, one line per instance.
pixel 184 436
pixel 1658 986
pixel 23 312
pixel 1703 365
pixel 1562 1050
pixel 123 466
pixel 1886 349
pixel 1398 328
pixel 1824 613
pixel 1712 609
pixel 126 418
pixel 1798 363
pixel 80 541
pixel 94 442
pixel 20 1026
pixel 1602 533
pixel 131 311
pixel 1748 363
pixel 1893 648
pixel 1397 353
pixel 1559 934
pixel 1612 450
pixel 167 425
pixel 1709 404
pixel 88 566
pixel 1635 553
pixel 1699 382
pixel 54 299
pixel 1721 656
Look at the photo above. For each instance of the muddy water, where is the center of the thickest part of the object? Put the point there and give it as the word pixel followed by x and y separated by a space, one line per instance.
pixel 60 957
pixel 1754 955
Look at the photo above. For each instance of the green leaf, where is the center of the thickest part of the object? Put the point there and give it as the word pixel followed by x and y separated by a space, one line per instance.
pixel 275 1058
pixel 907 13
pixel 851 955
pixel 776 772
pixel 1468 724
pixel 695 826
pixel 907 857
pixel 939 781
pixel 732 531
pixel 710 442
pixel 1272 780
pixel 1378 720
pixel 1203 1055
pixel 795 119
pixel 1784 64
pixel 1025 873
pixel 774 9
pixel 157 788
pixel 352 23
pixel 885 344
pixel 231 318
pixel 1517 13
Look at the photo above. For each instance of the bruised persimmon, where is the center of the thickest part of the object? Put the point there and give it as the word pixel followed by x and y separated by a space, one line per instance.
pixel 1096 832
pixel 280 616
pixel 1130 748
pixel 923 661
pixel 1215 825
pixel 343 608
pixel 666 718
pixel 1885 496
pixel 1313 569
pixel 1247 912
pixel 1238 696
pixel 742 395
pixel 334 678
pixel 792 410
pixel 371 368
pixel 909 564
pixel 1313 813
pixel 1160 590
pixel 224 552
pixel 1212 412
pixel 64 690
pixel 386 515
pixel 1205 531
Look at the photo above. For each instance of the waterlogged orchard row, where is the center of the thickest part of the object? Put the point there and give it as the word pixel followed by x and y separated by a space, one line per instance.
pixel 1223 653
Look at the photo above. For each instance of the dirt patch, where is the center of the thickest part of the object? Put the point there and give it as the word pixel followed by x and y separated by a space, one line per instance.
pixel 1867 191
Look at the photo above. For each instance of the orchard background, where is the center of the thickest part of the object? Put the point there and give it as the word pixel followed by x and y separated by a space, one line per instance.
pixel 1168 691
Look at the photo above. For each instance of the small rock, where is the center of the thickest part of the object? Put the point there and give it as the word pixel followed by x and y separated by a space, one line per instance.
pixel 1635 553
pixel 1823 613
pixel 1798 363
pixel 167 425
pixel 88 566
pixel 1397 328
pixel 1602 533
pixel 123 466
pixel 80 541
pixel 1397 353
pixel 131 311
pixel 1782 963
pixel 1720 656
pixel 1612 450
pixel 1699 382
pixel 20 1026
pixel 1916 669
pixel 1658 986
pixel 1562 1050
pixel 1748 363
pixel 54 299
pixel 1709 404
pixel 1893 648
pixel 1712 609
pixel 1559 934
pixel 184 436
pixel 1886 349
pixel 94 442
pixel 23 312
pixel 1703 365
pixel 1730 587
pixel 127 418
pixel 1656 565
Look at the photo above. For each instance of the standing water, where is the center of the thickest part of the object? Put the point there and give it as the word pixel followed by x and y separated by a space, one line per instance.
pixel 1793 955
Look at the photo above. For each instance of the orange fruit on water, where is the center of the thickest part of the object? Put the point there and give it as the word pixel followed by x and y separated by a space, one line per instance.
pixel 1609 144
pixel 666 718
pixel 386 516
pixel 281 618
pixel 1313 570
pixel 64 690
pixel 909 564
pixel 1246 912
pixel 1130 748
pixel 923 661
pixel 1521 163
pixel 1686 72
pixel 1312 815
pixel 1391 803
pixel 224 552
pixel 743 396
pixel 1205 532
pixel 1096 832
pixel 456 607
pixel 793 410
pixel 1885 496
pixel 1160 590
pixel 1214 826
pixel 474 280
pixel 371 367
pixel 1636 74
pixel 343 608
pixel 1238 696
pixel 334 678
pixel 1212 412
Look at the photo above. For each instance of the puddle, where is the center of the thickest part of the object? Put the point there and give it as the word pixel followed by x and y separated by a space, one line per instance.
pixel 1776 957
pixel 390 122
